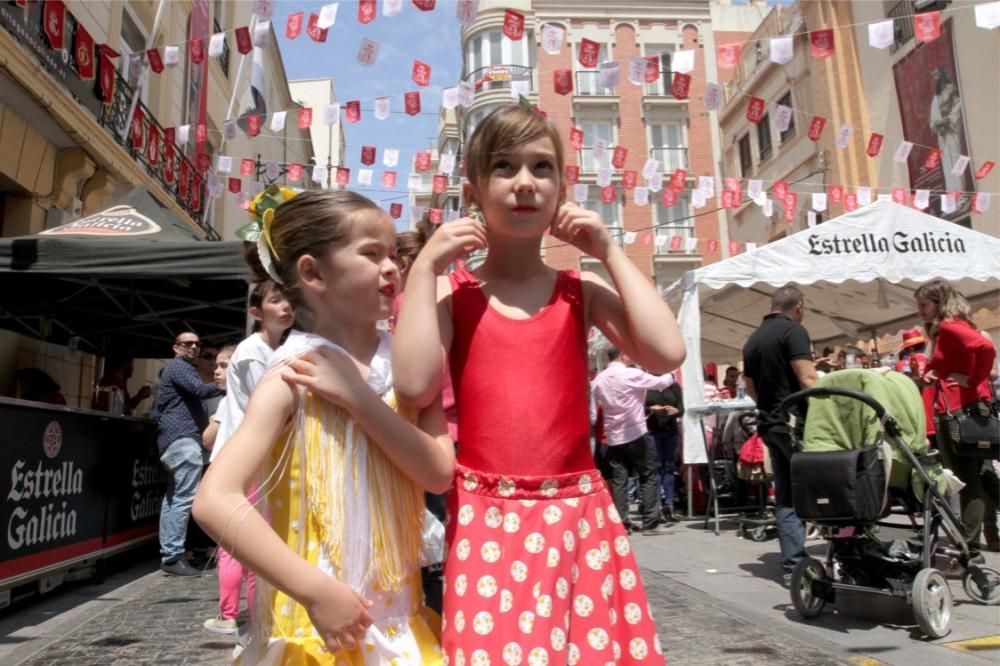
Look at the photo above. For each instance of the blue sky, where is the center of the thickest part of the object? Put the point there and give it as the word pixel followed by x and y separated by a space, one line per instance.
pixel 431 37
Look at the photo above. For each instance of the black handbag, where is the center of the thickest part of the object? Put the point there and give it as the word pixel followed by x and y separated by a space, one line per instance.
pixel 838 487
pixel 974 431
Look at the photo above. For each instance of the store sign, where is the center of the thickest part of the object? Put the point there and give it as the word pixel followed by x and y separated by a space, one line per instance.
pixel 116 221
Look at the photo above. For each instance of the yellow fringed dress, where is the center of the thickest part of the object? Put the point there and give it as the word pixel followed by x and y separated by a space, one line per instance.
pixel 341 504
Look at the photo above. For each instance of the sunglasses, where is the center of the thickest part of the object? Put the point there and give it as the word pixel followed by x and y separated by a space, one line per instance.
pixel 189 343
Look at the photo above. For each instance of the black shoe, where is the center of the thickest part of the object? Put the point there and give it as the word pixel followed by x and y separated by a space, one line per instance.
pixel 179 568
pixel 669 515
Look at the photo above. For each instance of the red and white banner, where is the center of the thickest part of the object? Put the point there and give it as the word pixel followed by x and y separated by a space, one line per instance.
pixel 83 51
pixel 821 43
pixel 54 20
pixel 293 28
pixel 927 26
pixel 513 24
pixel 728 56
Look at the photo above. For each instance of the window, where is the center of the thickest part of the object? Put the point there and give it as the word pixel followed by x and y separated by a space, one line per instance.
pixel 133 41
pixel 790 132
pixel 608 212
pixel 493 48
pixel 667 141
pixel 673 220
pixel 764 138
pixel 588 81
pixel 592 130
pixel 746 160
pixel 662 85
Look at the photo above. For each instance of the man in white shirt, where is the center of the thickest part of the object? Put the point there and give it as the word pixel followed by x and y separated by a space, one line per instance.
pixel 621 392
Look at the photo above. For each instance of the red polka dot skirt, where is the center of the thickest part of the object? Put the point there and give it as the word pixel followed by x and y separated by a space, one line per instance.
pixel 540 571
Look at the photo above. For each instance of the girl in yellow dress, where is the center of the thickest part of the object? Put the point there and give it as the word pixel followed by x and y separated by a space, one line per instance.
pixel 335 539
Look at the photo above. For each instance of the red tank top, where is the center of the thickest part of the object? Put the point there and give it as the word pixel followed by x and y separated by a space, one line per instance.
pixel 521 384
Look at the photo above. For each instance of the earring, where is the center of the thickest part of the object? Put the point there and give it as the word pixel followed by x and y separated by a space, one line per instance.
pixel 476 214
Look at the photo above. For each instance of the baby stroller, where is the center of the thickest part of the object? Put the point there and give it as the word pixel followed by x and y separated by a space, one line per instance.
pixel 864 434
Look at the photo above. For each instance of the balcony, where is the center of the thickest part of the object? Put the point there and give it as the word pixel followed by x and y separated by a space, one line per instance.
pixel 671 159
pixel 666 231
pixel 588 84
pixel 116 117
pixel 589 163
pixel 500 77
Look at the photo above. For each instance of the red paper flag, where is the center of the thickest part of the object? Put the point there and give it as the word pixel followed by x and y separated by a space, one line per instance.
pixel 201 134
pixel 734 248
pixel 247 167
pixel 439 184
pixel 875 144
pixel 196 47
pixel 575 138
pixel 343 176
pixel 83 50
pixel 305 118
pixel 352 111
pixel 235 185
pixel 589 53
pixel 367 155
pixel 732 184
pixel 816 126
pixel 712 246
pixel 628 179
pixel 678 180
pixel 572 174
pixel 821 43
pixel 424 5
pixel 293 28
pixel 169 135
pixel 295 172
pixel 927 26
pixel 196 195
pixel 899 195
pixel 155 61
pixel 314 31
pixel 984 169
pixel 676 243
pixel 366 11
pixel 513 24
pixel 608 194
pixel 54 18
pixel 243 42
pixel 389 179
pixel 780 189
pixel 681 86
pixel 730 199
pixel 755 110
pixel 562 80
pixel 791 201
pixel 107 79
pixel 395 210
pixel 411 103
pixel 728 56
pixel 422 161
pixel 669 197
pixel 182 182
pixel 138 128
pixel 168 163
pixel 933 158
pixel 789 214
pixel 203 161
pixel 618 157
pixel 850 202
pixel 253 125
pixel 836 194
pixel 652 68
pixel 153 145
pixel 647 238
pixel 435 215
pixel 421 73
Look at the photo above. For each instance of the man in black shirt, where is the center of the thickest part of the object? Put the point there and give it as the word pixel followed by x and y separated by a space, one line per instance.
pixel 777 361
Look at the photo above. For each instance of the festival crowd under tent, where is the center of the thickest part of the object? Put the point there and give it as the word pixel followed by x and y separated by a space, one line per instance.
pixel 125 280
pixel 857 272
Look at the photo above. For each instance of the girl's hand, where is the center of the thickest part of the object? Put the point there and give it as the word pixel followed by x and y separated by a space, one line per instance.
pixel 327 373
pixel 583 229
pixel 451 241
pixel 339 615
pixel 930 376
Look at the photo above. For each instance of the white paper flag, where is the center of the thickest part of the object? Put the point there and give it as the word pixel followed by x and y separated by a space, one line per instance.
pixel 391 7
pixel 229 130
pixel 981 202
pixel 263 9
pixel 390 157
pixel 520 88
pixel 603 177
pixel 697 199
pixel 580 191
pixel 661 239
pixel 690 244
pixel 278 121
pixel 782 50
pixel 759 199
pixel 449 97
pixel 255 187
pixel 811 219
pixel 921 199
pixel 364 176
pixel 754 188
pixel 368 51
pixel 782 117
pixel 214 187
pixel 713 96
pixel 649 168
pixel 327 16
pixel 241 199
pixel 331 113
pixel 182 135
pixel 637 70
pixel 682 61
pixel 135 65
pixel 446 163
pixel 844 136
pixel 223 164
pixel 414 182
pixel 960 164
pixel 466 11
pixel 640 196
pixel 948 203
pixel 655 182
pixel 864 196
pixel 903 151
pixel 629 237
pixel 881 35
pixel 417 213
pixel 751 247
pixel 600 149
pixel 171 56
pixel 819 201
pixel 706 185
pixel 262 34
pixel 988 15
pixel 272 170
pixel 609 73
pixel 466 94
pixel 768 208
pixel 552 38
pixel 216 45
pixel 381 108
pixel 319 174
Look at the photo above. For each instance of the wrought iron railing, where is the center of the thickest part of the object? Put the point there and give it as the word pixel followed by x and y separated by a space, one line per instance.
pixel 902 24
pixel 590 163
pixel 588 84
pixel 224 58
pixel 500 77
pixel 671 159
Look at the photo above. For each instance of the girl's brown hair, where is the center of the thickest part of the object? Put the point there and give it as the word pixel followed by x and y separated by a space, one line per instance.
pixel 508 126
pixel 950 302
pixel 409 244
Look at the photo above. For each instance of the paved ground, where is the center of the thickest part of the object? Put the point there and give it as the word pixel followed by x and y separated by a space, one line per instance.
pixel 715 599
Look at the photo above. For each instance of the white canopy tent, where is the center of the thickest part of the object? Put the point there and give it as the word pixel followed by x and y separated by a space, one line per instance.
pixel 857 271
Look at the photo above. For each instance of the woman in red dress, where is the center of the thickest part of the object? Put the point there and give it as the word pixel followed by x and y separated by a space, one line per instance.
pixel 539 569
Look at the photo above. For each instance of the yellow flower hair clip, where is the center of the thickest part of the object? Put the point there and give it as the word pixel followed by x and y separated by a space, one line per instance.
pixel 261 212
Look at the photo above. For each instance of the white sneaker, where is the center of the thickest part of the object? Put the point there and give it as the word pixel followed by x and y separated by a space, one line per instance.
pixel 221 625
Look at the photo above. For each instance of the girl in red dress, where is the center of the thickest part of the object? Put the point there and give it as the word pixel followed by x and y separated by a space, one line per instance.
pixel 539 569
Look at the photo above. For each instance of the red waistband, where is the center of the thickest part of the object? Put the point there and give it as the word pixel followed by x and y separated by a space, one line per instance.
pixel 507 486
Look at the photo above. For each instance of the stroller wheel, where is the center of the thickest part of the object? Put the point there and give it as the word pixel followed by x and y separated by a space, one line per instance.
pixel 809 587
pixel 982 584
pixel 932 603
